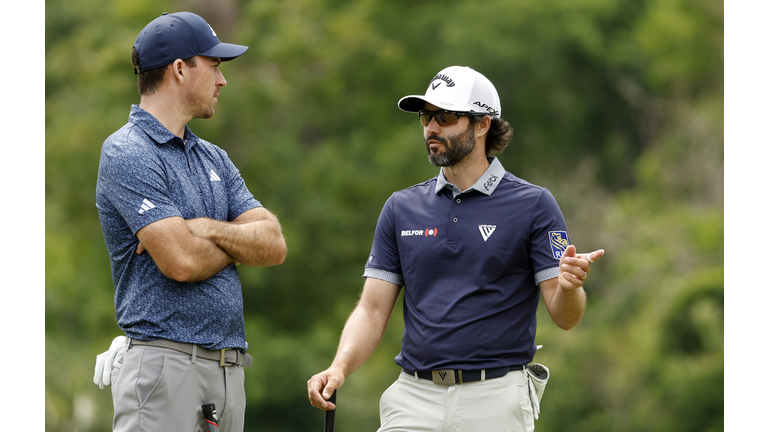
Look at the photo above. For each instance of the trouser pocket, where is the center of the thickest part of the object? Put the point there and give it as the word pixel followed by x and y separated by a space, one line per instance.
pixel 150 375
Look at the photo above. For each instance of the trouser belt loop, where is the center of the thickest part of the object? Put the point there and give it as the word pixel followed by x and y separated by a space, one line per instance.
pixel 194 353
pixel 482 375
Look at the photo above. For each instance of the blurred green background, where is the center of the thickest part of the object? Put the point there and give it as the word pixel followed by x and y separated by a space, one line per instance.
pixel 617 107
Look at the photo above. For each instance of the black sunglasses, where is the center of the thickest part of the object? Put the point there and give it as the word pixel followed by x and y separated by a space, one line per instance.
pixel 444 117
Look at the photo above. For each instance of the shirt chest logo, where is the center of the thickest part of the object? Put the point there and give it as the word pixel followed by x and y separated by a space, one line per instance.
pixel 214 177
pixel 425 232
pixel 486 231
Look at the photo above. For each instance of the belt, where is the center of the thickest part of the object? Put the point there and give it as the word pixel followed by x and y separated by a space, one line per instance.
pixel 225 357
pixel 452 376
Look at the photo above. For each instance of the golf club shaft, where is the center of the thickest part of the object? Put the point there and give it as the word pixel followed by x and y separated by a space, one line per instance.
pixel 330 416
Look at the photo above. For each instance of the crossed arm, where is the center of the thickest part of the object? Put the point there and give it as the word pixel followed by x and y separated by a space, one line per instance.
pixel 196 249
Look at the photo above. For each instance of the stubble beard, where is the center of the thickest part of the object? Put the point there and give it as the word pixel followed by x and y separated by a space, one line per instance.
pixel 457 147
pixel 202 103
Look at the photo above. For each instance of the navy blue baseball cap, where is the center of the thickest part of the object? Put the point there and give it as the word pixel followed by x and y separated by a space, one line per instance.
pixel 180 35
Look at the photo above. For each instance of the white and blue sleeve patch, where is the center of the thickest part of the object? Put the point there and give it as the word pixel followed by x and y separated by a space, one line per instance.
pixel 558 240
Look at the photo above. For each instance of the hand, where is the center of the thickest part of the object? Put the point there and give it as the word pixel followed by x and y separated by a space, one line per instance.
pixel 140 248
pixel 574 267
pixel 199 227
pixel 326 381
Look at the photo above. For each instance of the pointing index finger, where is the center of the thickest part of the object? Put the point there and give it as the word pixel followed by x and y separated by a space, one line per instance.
pixel 588 256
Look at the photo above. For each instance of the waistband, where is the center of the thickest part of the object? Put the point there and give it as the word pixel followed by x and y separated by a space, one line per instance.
pixel 225 357
pixel 454 376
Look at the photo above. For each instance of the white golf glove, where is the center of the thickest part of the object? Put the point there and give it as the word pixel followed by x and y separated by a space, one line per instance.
pixel 103 373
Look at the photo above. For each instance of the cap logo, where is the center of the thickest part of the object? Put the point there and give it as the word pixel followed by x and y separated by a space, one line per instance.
pixel 214 33
pixel 488 108
pixel 448 81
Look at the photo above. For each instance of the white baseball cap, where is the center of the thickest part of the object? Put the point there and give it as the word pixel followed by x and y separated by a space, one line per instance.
pixel 457 88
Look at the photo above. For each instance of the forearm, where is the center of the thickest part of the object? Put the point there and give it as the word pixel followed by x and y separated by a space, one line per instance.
pixel 203 260
pixel 257 243
pixel 567 306
pixel 180 255
pixel 359 339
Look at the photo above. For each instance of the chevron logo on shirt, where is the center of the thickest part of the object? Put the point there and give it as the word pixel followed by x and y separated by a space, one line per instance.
pixel 214 177
pixel 486 231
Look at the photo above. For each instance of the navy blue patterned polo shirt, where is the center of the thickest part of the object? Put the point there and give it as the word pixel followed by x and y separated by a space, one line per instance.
pixel 146 173
pixel 470 263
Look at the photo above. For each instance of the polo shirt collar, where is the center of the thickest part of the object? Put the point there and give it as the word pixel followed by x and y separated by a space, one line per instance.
pixel 159 133
pixel 486 184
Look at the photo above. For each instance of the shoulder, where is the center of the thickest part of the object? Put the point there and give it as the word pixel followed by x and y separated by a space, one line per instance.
pixel 521 187
pixel 211 150
pixel 417 190
pixel 128 140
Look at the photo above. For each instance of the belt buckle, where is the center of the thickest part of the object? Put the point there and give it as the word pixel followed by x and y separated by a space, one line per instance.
pixel 445 377
pixel 222 359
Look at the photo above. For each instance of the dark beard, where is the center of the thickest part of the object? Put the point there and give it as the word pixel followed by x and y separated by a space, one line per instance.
pixel 457 147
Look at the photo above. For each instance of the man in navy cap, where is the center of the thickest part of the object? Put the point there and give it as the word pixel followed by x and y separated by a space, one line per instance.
pixel 177 217
pixel 471 249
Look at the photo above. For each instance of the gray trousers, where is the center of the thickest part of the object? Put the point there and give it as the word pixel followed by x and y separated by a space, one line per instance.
pixel 159 389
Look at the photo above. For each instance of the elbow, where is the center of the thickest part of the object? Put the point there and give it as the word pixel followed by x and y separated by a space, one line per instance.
pixel 179 271
pixel 281 250
pixel 567 325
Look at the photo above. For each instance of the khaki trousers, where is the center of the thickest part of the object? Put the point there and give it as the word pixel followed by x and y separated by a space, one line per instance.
pixel 159 389
pixel 500 404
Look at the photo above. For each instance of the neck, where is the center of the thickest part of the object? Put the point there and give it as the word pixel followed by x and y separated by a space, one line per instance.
pixel 166 111
pixel 467 172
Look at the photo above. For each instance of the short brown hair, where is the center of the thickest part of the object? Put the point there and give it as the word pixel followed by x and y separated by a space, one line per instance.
pixel 499 134
pixel 151 79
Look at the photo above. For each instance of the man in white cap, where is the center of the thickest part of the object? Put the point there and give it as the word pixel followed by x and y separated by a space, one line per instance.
pixel 472 249
pixel 177 217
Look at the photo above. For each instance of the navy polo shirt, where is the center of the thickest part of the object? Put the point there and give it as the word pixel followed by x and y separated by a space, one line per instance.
pixel 146 173
pixel 470 263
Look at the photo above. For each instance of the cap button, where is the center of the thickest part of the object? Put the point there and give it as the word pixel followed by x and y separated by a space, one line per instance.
pixel 164 13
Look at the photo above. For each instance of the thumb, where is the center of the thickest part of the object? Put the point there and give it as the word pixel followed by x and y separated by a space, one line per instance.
pixel 331 386
pixel 328 390
pixel 570 251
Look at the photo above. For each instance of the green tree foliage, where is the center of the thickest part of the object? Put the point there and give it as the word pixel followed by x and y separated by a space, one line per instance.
pixel 617 107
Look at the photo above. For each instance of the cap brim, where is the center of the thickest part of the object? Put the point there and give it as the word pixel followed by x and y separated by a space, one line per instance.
pixel 225 51
pixel 415 103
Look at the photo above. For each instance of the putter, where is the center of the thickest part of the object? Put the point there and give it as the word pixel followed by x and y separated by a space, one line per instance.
pixel 330 416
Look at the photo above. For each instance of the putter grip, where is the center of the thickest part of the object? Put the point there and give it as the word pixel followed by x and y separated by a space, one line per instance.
pixel 330 416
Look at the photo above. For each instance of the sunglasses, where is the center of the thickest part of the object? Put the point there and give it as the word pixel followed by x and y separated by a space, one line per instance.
pixel 443 117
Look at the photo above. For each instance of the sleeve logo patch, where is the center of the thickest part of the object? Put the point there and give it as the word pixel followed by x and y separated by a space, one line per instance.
pixel 559 242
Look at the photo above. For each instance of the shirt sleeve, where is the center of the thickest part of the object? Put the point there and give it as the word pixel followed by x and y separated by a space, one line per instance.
pixel 136 184
pixel 384 254
pixel 549 237
pixel 240 199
